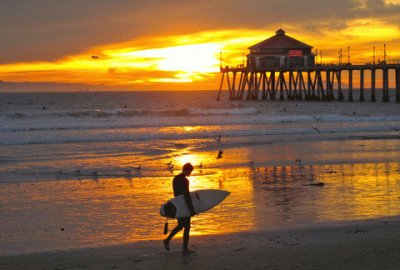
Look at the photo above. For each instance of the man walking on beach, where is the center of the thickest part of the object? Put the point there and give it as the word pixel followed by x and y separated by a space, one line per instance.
pixel 181 187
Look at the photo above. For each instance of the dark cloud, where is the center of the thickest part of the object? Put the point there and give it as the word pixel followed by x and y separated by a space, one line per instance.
pixel 49 29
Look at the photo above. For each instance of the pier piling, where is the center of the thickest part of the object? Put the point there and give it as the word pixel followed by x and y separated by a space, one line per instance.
pixel 373 84
pixel 319 82
pixel 350 85
pixel 362 85
pixel 397 72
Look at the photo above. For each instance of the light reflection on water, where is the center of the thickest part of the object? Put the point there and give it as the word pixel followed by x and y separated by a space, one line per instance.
pixel 350 192
pixel 69 214
pixel 66 214
pixel 120 207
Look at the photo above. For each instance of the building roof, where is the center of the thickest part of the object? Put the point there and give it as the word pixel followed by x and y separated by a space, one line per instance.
pixel 280 41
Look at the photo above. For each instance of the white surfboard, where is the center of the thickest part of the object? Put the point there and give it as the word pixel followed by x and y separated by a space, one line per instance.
pixel 203 200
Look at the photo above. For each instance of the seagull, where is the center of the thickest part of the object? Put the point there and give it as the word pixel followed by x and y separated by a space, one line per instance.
pixel 218 138
pixel 316 129
pixel 316 118
pixel 201 165
pixel 220 152
pixel 59 172
pixel 171 168
pixel 129 170
pixel 95 57
pixel 138 167
pixel 169 163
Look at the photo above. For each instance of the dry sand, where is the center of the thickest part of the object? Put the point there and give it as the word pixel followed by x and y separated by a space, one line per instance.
pixel 373 244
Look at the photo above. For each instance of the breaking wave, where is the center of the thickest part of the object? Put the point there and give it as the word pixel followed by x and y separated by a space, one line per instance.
pixel 124 112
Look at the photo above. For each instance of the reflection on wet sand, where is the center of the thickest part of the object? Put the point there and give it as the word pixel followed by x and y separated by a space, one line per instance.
pixel 108 209
pixel 343 192
pixel 105 210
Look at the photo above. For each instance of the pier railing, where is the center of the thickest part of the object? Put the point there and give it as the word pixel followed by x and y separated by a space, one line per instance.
pixel 318 82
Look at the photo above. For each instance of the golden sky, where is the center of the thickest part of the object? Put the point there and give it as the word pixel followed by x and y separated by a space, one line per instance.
pixel 177 45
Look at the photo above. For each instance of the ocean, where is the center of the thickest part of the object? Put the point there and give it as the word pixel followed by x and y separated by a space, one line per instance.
pixel 89 169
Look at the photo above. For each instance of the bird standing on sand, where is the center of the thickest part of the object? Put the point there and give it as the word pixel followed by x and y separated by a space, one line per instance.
pixel 201 165
pixel 95 175
pixel 317 130
pixel 317 118
pixel 170 168
pixel 220 152
pixel 128 170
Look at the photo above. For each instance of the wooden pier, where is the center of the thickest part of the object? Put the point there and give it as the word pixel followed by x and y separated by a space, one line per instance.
pixel 319 82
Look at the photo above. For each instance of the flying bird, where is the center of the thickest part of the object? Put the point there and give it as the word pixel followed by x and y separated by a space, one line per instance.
pixel 218 138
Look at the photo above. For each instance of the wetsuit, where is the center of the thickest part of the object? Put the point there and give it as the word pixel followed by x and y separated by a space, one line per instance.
pixel 181 187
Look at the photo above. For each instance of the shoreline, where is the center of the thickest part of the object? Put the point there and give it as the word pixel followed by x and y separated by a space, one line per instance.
pixel 364 244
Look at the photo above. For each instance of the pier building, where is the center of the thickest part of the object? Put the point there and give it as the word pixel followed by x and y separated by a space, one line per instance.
pixel 282 67
pixel 280 51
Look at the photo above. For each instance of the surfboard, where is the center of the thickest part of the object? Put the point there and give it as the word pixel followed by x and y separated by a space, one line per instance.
pixel 203 200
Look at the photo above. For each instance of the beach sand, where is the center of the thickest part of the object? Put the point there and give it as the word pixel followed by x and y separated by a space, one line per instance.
pixel 372 244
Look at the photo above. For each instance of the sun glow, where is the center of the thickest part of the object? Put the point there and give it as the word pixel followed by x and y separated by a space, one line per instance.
pixel 176 62
pixel 391 2
pixel 186 58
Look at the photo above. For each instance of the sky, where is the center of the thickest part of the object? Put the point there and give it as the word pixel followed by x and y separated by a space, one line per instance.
pixel 171 44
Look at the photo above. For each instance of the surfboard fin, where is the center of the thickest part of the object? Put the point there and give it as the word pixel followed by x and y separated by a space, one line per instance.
pixel 166 226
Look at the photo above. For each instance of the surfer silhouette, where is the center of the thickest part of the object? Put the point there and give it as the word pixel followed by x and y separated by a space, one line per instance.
pixel 181 187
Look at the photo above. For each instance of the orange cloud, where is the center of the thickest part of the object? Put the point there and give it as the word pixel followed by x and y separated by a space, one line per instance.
pixel 192 61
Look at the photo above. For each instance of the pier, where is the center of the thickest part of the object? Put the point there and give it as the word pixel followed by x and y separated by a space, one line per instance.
pixel 318 82
pixel 285 68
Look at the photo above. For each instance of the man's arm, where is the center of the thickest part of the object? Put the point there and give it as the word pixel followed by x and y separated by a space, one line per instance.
pixel 188 199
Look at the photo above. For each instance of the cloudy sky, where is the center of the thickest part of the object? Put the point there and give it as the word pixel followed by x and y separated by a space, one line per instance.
pixel 171 44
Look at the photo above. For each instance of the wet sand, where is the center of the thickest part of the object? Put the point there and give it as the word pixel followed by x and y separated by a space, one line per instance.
pixel 373 244
pixel 60 215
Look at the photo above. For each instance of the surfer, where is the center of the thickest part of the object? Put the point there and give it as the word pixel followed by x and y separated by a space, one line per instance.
pixel 181 187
